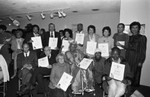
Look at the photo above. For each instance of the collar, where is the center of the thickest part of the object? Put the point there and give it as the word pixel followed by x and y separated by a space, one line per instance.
pixel 35 34
pixel 28 53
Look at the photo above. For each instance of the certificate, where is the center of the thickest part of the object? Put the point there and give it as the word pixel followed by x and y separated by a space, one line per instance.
pixel 104 48
pixel 37 42
pixel 122 43
pixel 79 38
pixel 53 42
pixel 91 47
pixel 65 44
pixel 85 63
pixel 65 81
pixel 117 71
pixel 43 62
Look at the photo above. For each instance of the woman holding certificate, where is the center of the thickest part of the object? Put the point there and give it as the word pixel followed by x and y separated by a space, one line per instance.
pixel 90 41
pixel 57 71
pixel 117 73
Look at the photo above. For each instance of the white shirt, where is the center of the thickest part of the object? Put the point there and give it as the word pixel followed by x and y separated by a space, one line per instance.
pixel 27 54
pixel 52 34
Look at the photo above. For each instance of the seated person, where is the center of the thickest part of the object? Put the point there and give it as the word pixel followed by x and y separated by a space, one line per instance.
pixel 98 66
pixel 57 70
pixel 116 87
pixel 26 64
pixel 4 75
pixel 40 72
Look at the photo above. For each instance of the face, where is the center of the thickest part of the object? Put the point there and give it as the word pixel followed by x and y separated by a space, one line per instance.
pixel 106 33
pixel 80 27
pixel 61 59
pixel 18 35
pixel 97 55
pixel 67 34
pixel 47 51
pixel 120 28
pixel 135 29
pixel 91 31
pixel 41 32
pixel 51 27
pixel 115 54
pixel 35 30
pixel 25 48
pixel 72 47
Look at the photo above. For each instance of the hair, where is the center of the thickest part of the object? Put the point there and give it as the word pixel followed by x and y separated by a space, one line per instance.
pixel 93 27
pixel 3 27
pixel 43 30
pixel 121 24
pixel 52 24
pixel 25 44
pixel 73 43
pixel 19 31
pixel 106 28
pixel 69 31
pixel 116 49
pixel 135 23
pixel 36 26
pixel 60 54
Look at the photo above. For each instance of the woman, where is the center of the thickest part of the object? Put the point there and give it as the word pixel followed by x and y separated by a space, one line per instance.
pixel 57 71
pixel 90 37
pixel 16 46
pixel 121 39
pixel 136 52
pixel 116 87
pixel 106 38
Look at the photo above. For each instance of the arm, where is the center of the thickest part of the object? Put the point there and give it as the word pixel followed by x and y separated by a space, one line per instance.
pixel 52 75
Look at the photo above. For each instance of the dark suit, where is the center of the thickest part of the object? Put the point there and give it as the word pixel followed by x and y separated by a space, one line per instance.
pixel 39 73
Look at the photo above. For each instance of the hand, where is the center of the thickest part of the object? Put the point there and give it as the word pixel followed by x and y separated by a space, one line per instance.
pixel 140 64
pixel 111 75
pixel 58 86
pixel 118 44
pixel 31 41
pixel 50 66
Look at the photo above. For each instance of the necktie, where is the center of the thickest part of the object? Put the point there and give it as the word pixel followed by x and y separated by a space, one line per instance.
pixel 26 54
pixel 51 34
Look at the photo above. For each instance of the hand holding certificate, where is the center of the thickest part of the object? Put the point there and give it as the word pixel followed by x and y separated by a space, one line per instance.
pixel 43 62
pixel 117 71
pixel 37 42
pixel 79 38
pixel 104 48
pixel 91 47
pixel 53 43
pixel 85 63
pixel 64 81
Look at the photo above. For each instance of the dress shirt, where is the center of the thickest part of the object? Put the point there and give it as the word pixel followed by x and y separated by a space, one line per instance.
pixel 27 54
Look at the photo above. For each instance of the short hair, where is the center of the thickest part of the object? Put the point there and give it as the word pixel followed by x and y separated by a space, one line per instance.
pixel 19 31
pixel 47 47
pixel 60 54
pixel 42 29
pixel 69 31
pixel 106 28
pixel 3 27
pixel 116 49
pixel 36 26
pixel 121 24
pixel 73 43
pixel 135 23
pixel 25 44
pixel 93 27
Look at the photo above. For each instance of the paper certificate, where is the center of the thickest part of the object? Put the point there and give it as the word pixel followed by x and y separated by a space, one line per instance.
pixel 91 47
pixel 85 63
pixel 79 38
pixel 65 81
pixel 53 42
pixel 104 48
pixel 43 62
pixel 65 44
pixel 122 43
pixel 117 71
pixel 37 42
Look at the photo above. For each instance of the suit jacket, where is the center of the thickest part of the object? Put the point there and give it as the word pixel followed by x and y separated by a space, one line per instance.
pixel 31 59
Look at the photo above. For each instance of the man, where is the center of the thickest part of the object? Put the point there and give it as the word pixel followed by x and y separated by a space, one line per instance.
pixel 26 64
pixel 98 67
pixel 4 44
pixel 40 72
pixel 53 34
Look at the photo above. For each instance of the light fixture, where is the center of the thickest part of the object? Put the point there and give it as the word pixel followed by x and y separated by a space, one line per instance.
pixel 43 15
pixel 29 17
pixel 63 14
pixel 51 16
pixel 15 22
pixel 59 14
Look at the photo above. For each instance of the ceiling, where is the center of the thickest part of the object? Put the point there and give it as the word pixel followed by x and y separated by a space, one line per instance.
pixel 19 8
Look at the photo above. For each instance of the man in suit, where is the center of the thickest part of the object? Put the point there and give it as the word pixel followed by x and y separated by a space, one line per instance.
pixel 53 34
pixel 26 64
pixel 40 72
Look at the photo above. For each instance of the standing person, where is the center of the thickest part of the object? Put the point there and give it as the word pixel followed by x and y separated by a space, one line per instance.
pixel 136 52
pixel 53 34
pixel 57 71
pixel 121 39
pixel 106 38
pixel 5 39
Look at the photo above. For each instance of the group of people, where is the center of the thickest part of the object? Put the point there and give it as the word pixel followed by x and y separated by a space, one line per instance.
pixel 129 50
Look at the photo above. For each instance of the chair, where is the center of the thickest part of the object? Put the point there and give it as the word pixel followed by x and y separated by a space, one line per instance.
pixel 3 88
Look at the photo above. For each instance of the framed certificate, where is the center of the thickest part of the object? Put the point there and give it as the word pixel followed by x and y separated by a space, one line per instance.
pixel 91 47
pixel 43 62
pixel 104 48
pixel 65 44
pixel 79 38
pixel 117 71
pixel 85 63
pixel 37 42
pixel 53 42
